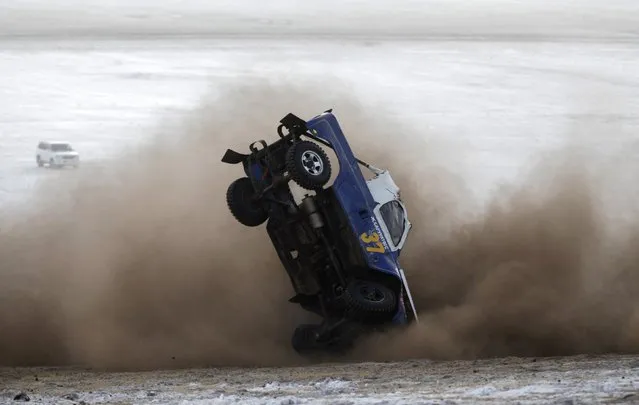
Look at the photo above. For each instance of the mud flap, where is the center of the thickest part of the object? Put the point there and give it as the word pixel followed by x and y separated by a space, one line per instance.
pixel 294 124
pixel 232 157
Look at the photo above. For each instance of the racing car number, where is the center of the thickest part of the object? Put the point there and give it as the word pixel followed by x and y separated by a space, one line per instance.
pixel 373 239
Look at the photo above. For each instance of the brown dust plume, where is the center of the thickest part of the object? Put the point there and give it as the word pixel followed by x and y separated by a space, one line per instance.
pixel 548 268
pixel 140 264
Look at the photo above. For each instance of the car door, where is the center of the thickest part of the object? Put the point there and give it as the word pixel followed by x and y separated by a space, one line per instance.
pixel 47 151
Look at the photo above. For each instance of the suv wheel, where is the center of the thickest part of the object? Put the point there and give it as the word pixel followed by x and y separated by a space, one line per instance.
pixel 239 198
pixel 39 161
pixel 304 339
pixel 368 298
pixel 308 165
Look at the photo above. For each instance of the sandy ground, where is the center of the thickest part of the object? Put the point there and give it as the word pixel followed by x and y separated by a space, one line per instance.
pixel 565 380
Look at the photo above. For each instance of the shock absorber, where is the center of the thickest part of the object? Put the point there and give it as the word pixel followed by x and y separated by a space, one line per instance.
pixel 309 207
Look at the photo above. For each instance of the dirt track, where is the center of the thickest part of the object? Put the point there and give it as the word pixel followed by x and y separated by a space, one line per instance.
pixel 565 380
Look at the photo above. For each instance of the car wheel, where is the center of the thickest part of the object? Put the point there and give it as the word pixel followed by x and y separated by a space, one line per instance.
pixel 308 165
pixel 39 161
pixel 239 200
pixel 307 342
pixel 304 339
pixel 368 298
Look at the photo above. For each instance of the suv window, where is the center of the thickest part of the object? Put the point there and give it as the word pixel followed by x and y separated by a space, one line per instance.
pixel 42 145
pixel 61 147
pixel 393 215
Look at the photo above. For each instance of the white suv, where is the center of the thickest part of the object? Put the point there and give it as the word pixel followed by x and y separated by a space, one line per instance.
pixel 56 154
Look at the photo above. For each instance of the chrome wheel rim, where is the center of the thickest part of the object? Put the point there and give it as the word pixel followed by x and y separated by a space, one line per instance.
pixel 312 163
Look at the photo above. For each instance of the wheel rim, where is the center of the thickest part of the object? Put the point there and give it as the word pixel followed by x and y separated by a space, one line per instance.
pixel 371 293
pixel 312 163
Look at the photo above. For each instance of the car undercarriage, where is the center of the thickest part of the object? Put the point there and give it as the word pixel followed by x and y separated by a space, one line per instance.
pixel 328 261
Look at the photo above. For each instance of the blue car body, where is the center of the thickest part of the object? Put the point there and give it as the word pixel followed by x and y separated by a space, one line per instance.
pixel 354 234
pixel 357 201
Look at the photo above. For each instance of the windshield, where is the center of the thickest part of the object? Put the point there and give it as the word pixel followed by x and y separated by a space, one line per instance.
pixel 393 215
pixel 61 147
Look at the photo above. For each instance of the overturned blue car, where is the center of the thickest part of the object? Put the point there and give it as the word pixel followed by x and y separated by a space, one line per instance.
pixel 339 242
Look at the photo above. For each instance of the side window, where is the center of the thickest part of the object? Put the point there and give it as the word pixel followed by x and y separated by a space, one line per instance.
pixel 393 216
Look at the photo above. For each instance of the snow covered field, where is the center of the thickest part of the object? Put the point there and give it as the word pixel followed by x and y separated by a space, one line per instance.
pixel 487 109
pixel 497 103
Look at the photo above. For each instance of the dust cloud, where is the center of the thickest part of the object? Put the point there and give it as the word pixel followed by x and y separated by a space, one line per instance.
pixel 548 268
pixel 140 264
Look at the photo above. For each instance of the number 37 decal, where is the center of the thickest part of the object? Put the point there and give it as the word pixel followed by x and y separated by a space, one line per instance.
pixel 372 239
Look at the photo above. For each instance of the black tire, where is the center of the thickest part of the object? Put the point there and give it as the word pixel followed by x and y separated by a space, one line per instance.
pixel 239 200
pixel 366 299
pixel 304 339
pixel 308 165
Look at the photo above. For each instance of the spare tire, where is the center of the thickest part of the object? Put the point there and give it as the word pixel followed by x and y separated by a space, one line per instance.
pixel 308 165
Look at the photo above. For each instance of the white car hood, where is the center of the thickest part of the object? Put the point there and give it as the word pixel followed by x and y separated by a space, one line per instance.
pixel 383 188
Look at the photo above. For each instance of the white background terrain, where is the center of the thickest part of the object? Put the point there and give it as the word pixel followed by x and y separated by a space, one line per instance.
pixel 462 99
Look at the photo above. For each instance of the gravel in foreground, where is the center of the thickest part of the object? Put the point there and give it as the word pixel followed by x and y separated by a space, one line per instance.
pixel 566 380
